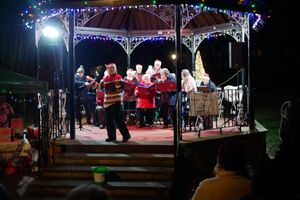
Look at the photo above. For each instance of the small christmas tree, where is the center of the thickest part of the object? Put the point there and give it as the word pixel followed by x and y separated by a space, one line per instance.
pixel 199 69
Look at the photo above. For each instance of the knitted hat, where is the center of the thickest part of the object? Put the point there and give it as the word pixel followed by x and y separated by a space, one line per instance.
pixel 80 69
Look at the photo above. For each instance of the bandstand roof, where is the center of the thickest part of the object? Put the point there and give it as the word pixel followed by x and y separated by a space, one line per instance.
pixel 140 23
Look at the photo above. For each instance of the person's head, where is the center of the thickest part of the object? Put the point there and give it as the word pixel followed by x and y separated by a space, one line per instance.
pixel 111 68
pixel 146 78
pixel 185 73
pixel 105 73
pixel 2 98
pixel 157 65
pixel 290 120
pixel 232 157
pixel 4 193
pixel 80 71
pixel 164 73
pixel 205 78
pixel 87 192
pixel 139 68
pixel 150 70
pixel 130 73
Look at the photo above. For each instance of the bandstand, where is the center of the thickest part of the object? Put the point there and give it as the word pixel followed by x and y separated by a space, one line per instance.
pixel 131 24
pixel 154 167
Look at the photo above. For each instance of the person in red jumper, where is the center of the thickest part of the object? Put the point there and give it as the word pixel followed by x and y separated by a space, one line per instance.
pixel 145 94
pixel 113 90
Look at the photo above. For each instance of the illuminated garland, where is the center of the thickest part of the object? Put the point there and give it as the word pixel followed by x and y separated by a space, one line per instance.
pixel 37 10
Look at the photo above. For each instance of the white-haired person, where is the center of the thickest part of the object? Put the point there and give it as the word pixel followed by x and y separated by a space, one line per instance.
pixel 156 71
pixel 145 101
pixel 129 99
pixel 112 104
pixel 150 70
pixel 138 72
pixel 167 99
pixel 188 84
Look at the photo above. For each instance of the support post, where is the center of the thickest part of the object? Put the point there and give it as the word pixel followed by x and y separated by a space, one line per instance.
pixel 177 126
pixel 193 53
pixel 250 97
pixel 71 70
pixel 128 51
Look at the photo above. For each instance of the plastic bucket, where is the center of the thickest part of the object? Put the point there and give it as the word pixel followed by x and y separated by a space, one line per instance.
pixel 99 174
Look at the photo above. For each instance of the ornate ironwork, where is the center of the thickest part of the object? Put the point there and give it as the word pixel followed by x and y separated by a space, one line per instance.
pixel 238 30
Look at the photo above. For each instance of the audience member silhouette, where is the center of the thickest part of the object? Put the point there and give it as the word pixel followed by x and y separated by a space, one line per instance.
pixel 275 178
pixel 4 195
pixel 87 192
pixel 231 181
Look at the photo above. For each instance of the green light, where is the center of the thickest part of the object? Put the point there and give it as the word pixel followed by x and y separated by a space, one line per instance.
pixel 201 4
pixel 252 5
pixel 85 2
pixel 154 2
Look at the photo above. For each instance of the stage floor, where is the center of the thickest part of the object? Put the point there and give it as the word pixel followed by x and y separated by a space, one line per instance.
pixel 157 133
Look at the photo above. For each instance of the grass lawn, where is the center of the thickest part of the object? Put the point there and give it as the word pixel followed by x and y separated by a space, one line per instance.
pixel 267 112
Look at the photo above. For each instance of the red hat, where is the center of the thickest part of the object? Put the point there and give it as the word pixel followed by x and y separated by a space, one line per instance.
pixel 205 76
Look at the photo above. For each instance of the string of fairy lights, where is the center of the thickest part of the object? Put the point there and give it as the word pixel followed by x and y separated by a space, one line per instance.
pixel 39 9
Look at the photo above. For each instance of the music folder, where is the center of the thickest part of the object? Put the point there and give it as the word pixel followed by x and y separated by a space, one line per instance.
pixel 204 89
pixel 167 86
pixel 145 91
pixel 128 86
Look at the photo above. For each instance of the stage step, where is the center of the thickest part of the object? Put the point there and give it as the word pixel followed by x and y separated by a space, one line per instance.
pixel 114 173
pixel 61 187
pixel 89 146
pixel 114 159
pixel 136 171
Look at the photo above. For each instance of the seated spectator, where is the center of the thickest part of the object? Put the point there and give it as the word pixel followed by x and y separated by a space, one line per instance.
pixel 87 192
pixel 231 180
pixel 273 178
pixel 4 193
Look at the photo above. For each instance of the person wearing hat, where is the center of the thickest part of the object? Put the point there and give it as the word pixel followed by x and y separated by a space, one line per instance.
pixel 205 81
pixel 113 91
pixel 81 95
pixel 211 86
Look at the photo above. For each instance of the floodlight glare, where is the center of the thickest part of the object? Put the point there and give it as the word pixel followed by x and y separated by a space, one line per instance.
pixel 50 32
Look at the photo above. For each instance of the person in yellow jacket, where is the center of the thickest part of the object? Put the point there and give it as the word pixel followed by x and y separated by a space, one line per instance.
pixel 231 181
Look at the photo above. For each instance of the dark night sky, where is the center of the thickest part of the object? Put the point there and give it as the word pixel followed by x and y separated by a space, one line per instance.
pixel 275 50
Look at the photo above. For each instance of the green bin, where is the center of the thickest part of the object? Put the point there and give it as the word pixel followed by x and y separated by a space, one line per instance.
pixel 99 174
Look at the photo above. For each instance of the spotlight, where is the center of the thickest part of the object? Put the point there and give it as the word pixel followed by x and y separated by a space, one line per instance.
pixel 50 32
